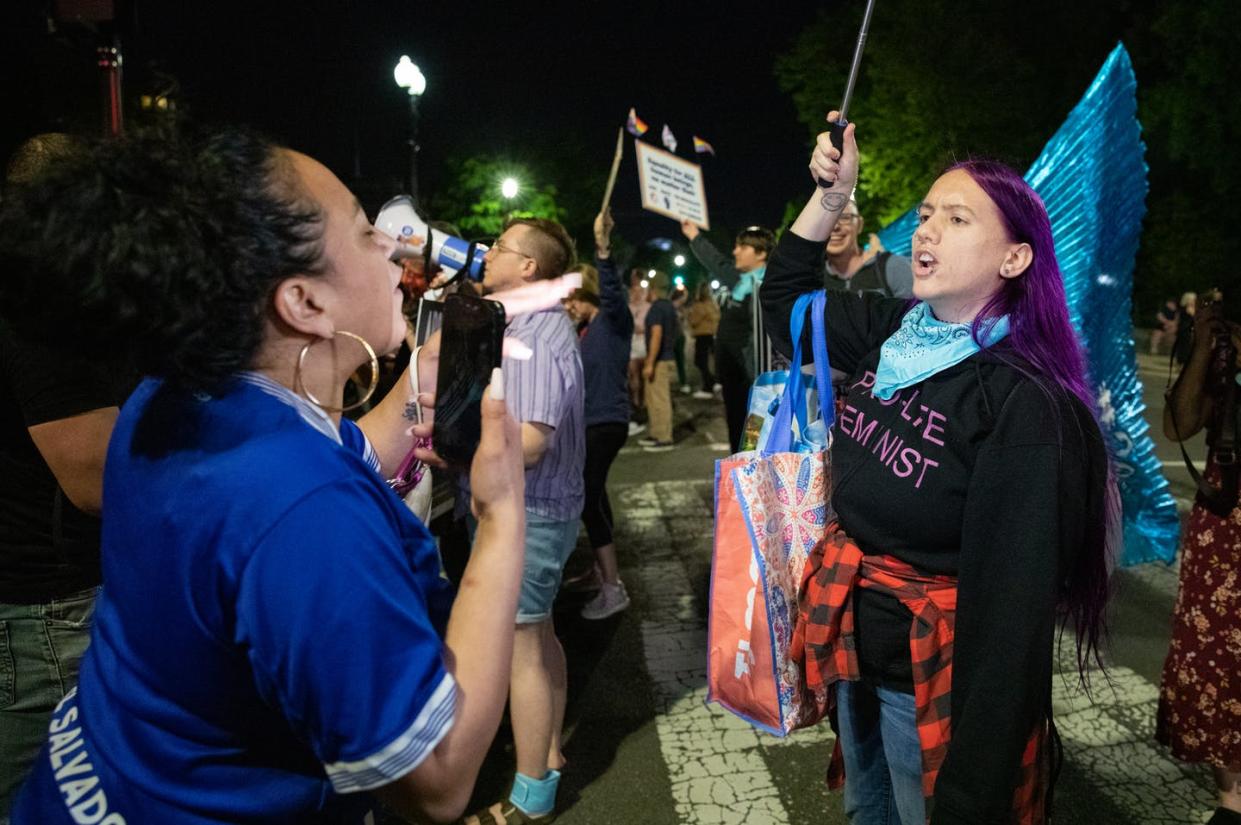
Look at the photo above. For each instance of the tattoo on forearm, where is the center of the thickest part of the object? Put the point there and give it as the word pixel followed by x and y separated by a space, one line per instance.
pixel 411 410
pixel 833 201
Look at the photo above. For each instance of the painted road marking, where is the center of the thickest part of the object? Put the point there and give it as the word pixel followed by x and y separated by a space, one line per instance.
pixel 716 763
pixel 715 760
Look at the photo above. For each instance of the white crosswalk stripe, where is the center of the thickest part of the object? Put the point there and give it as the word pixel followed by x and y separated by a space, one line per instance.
pixel 718 764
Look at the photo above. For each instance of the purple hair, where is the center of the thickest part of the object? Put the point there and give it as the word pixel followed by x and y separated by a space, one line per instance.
pixel 1041 335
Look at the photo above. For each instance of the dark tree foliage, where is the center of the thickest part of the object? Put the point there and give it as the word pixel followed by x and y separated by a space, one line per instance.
pixel 995 78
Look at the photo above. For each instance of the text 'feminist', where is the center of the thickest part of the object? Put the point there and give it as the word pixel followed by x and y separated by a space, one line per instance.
pixel 894 452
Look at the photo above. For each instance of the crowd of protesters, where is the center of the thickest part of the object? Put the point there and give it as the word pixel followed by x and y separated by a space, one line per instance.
pixel 216 609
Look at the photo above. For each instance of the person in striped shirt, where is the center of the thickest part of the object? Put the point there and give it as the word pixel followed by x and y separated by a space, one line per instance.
pixel 545 393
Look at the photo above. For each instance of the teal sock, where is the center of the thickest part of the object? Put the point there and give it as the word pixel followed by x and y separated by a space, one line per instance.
pixel 535 797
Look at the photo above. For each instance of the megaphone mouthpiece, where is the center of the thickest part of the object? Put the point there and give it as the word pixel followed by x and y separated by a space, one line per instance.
pixel 400 220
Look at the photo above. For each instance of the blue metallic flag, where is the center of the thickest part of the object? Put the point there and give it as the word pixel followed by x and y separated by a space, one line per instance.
pixel 1092 178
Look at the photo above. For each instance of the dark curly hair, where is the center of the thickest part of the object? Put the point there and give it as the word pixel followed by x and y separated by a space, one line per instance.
pixel 164 248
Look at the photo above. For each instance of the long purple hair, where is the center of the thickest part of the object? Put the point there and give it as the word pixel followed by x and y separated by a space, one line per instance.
pixel 1041 335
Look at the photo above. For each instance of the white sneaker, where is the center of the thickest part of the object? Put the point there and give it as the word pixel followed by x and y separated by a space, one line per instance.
pixel 611 600
pixel 647 442
pixel 635 428
pixel 703 394
pixel 685 389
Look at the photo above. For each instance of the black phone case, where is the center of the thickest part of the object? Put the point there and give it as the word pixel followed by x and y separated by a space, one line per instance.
pixel 472 338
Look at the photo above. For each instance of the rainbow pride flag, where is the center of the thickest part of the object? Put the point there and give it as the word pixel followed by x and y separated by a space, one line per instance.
pixel 635 125
pixel 701 146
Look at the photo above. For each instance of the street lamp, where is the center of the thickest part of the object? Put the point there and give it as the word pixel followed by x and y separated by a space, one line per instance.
pixel 650 273
pixel 679 260
pixel 509 188
pixel 715 285
pixel 410 78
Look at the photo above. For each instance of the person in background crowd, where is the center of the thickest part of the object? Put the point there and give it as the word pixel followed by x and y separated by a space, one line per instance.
pixel 929 609
pixel 58 410
pixel 661 333
pixel 1183 344
pixel 227 679
pixel 850 269
pixel 590 277
pixel 639 305
pixel 605 327
pixel 679 298
pixel 735 344
pixel 704 319
pixel 1200 693
pixel 1165 324
pixel 545 394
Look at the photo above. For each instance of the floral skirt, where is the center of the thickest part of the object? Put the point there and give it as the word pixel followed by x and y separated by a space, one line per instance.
pixel 1200 692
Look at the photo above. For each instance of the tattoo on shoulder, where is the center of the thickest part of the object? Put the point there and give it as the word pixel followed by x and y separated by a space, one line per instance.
pixel 833 201
pixel 411 411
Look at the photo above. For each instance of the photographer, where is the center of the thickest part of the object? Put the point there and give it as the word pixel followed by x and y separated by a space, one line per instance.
pixel 1200 694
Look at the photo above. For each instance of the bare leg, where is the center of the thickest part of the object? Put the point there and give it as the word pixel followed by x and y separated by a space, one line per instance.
pixel 554 661
pixel 1229 783
pixel 532 699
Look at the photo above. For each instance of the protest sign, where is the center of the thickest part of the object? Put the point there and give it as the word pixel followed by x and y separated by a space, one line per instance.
pixel 671 186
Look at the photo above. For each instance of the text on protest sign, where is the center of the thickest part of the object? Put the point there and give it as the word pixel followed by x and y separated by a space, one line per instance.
pixel 671 186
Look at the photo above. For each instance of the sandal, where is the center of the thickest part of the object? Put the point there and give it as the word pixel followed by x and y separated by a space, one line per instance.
pixel 506 813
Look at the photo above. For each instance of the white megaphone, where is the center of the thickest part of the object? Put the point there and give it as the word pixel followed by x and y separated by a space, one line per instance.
pixel 399 220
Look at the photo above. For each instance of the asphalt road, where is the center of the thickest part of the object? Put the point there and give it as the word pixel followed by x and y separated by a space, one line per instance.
pixel 642 746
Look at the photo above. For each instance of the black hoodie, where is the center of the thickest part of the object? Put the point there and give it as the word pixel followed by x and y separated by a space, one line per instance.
pixel 983 472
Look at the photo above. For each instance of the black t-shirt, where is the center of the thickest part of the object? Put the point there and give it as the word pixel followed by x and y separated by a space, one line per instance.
pixel 978 472
pixel 663 314
pixel 48 547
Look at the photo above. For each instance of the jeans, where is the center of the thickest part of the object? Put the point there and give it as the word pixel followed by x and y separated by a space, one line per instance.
pixel 41 646
pixel 883 757
pixel 549 544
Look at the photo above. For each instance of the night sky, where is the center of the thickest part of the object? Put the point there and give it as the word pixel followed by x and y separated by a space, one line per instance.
pixel 516 78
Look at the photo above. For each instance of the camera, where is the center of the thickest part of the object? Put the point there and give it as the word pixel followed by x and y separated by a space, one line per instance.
pixel 1223 368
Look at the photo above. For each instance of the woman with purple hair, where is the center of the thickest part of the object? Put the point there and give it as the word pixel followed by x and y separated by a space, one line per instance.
pixel 974 502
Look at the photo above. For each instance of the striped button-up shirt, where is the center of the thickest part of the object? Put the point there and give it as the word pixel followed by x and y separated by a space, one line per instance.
pixel 548 389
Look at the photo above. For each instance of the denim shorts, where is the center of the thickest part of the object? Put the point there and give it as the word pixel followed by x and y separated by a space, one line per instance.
pixel 549 544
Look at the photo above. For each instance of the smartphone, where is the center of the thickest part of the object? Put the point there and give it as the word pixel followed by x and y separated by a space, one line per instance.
pixel 471 342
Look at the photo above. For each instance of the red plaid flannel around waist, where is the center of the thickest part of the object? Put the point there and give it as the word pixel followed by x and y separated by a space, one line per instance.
pixel 825 643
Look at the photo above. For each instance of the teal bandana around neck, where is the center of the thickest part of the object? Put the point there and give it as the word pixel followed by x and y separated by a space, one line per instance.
pixel 925 345
pixel 745 285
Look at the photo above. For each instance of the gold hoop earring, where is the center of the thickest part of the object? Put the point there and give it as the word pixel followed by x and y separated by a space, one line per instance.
pixel 300 386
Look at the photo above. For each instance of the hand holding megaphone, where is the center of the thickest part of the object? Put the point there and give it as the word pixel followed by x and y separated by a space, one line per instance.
pixel 399 220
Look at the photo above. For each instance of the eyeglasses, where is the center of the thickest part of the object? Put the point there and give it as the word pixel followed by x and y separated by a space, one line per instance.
pixel 499 247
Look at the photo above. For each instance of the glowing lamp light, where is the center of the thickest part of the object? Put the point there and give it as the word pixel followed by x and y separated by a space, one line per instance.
pixel 644 283
pixel 650 273
pixel 679 281
pixel 509 188
pixel 679 260
pixel 409 77
pixel 715 284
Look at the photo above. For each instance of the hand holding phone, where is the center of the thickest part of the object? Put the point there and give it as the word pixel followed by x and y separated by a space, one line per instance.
pixel 471 346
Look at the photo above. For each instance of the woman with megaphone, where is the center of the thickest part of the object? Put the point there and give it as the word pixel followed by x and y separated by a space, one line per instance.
pixel 273 639
pixel 974 501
